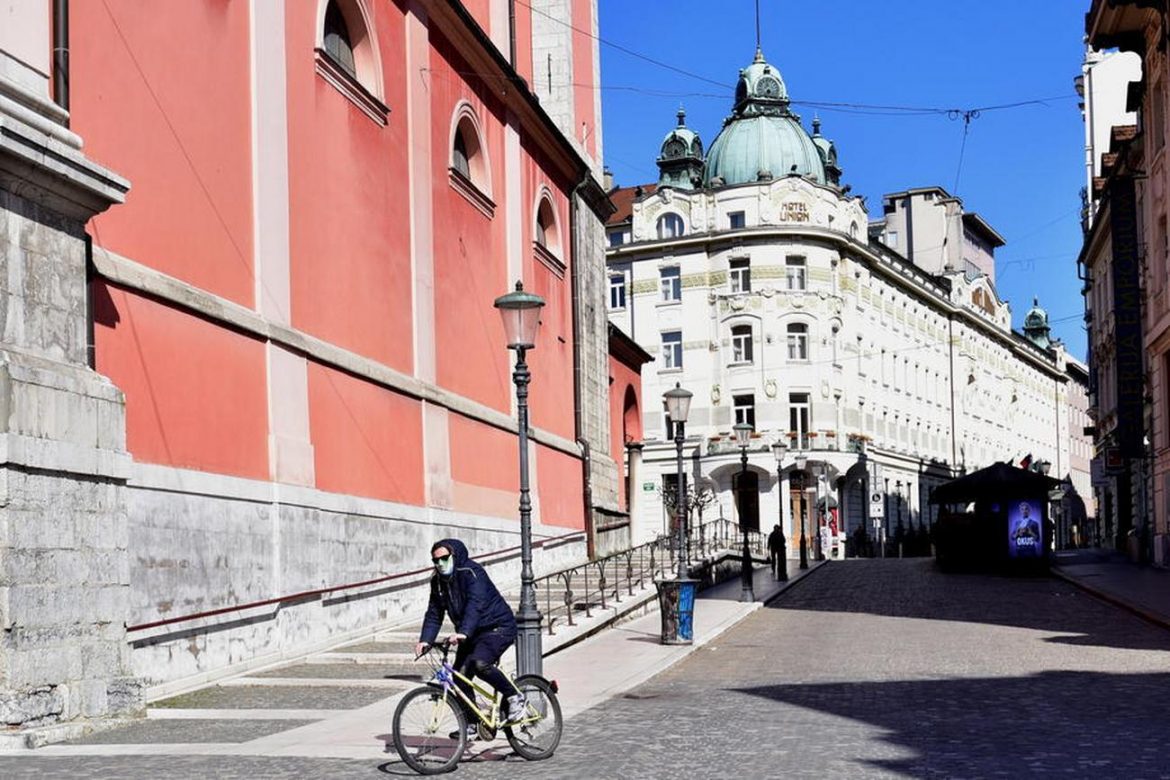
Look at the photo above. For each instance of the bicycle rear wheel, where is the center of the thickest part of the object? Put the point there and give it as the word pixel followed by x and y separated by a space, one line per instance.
pixel 538 734
pixel 424 723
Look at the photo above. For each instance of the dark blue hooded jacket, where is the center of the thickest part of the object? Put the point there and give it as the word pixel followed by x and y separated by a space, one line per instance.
pixel 468 596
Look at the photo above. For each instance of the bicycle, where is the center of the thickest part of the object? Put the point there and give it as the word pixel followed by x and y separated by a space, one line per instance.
pixel 430 724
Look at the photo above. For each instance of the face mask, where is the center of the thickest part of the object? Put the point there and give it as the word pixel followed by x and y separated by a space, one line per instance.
pixel 445 565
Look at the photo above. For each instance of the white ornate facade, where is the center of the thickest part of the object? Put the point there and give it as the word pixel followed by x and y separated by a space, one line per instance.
pixel 767 300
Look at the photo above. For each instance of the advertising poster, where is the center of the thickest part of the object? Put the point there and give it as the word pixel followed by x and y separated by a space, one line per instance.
pixel 1025 537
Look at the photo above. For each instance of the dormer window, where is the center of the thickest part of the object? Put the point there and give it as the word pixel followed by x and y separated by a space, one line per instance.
pixel 670 226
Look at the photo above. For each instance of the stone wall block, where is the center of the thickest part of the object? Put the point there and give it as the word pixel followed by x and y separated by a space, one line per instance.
pixel 125 696
pixel 93 698
pixel 44 666
pixel 30 707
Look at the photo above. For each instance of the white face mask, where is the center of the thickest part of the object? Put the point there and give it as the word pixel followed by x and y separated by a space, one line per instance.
pixel 446 566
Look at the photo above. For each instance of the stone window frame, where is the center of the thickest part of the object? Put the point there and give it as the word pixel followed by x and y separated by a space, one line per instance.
pixel 747 408
pixel 672 360
pixel 672 275
pixel 802 333
pixel 362 85
pixel 741 344
pixel 793 264
pixel 617 288
pixel 474 184
pixel 739 274
pixel 673 218
pixel 547 237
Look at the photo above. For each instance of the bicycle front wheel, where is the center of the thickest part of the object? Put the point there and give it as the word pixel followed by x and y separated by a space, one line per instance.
pixel 537 735
pixel 430 731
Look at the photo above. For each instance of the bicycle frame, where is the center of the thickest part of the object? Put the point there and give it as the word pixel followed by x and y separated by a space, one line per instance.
pixel 446 675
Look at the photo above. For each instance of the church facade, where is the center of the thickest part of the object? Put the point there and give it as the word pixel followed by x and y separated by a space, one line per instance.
pixel 762 286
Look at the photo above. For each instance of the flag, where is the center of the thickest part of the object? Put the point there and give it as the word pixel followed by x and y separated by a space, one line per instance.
pixel 1027 461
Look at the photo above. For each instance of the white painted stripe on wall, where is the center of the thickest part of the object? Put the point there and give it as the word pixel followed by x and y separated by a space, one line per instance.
pixel 270 196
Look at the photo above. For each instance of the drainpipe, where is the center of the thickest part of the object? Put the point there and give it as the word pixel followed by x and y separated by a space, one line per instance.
pixel 512 33
pixel 578 412
pixel 61 55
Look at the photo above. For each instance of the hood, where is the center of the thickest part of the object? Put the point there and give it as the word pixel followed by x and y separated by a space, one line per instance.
pixel 458 548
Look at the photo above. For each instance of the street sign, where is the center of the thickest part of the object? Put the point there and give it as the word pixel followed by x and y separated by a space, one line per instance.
pixel 877 505
pixel 648 486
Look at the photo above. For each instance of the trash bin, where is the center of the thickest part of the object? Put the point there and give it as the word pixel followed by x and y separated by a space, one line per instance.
pixel 676 605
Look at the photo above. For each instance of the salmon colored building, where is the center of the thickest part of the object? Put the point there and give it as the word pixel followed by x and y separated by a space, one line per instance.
pixel 296 301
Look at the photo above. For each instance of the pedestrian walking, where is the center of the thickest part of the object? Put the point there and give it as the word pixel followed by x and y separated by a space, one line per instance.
pixel 778 554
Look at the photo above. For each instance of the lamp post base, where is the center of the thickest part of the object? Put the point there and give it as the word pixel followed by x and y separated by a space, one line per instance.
pixel 747 595
pixel 529 655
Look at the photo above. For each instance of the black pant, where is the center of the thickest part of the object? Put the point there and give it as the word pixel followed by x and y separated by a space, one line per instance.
pixel 478 655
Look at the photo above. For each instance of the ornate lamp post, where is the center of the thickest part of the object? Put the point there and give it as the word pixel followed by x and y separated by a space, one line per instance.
pixel 801 462
pixel 676 597
pixel 778 449
pixel 678 406
pixel 521 314
pixel 743 435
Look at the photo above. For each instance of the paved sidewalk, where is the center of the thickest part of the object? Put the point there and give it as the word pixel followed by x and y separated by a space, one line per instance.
pixel 598 668
pixel 1111 576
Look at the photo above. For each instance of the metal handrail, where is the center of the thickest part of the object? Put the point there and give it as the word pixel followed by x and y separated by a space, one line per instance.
pixel 307 594
pixel 607 578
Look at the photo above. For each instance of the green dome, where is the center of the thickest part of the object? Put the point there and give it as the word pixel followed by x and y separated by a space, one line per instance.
pixel 762 138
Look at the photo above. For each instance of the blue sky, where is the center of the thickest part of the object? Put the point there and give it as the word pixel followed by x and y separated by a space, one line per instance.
pixel 1022 168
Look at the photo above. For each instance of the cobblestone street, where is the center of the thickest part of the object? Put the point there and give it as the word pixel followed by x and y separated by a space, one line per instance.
pixel 868 669
pixel 890 669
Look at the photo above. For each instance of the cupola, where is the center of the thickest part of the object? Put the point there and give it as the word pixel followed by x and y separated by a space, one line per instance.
pixel 763 139
pixel 1036 326
pixel 680 158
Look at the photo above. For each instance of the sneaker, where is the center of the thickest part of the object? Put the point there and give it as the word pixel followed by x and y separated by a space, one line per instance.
pixel 517 707
pixel 472 732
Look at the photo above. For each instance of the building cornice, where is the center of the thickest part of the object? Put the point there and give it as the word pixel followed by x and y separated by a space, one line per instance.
pixel 452 19
pixel 927 288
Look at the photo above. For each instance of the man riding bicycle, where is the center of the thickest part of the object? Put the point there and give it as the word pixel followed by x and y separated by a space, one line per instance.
pixel 484 623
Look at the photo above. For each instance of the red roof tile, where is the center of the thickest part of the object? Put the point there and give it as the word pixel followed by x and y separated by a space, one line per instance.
pixel 623 198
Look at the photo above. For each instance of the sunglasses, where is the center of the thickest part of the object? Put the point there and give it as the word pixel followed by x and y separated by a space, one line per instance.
pixel 440 559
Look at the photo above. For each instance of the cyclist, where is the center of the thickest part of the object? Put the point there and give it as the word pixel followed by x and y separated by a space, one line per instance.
pixel 484 623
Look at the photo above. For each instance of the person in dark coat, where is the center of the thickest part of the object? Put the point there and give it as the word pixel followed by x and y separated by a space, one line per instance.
pixel 776 550
pixel 485 625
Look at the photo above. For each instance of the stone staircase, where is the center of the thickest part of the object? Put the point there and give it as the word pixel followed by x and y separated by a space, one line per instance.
pixel 575 603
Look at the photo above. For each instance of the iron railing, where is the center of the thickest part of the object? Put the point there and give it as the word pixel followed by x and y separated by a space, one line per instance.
pixel 614 579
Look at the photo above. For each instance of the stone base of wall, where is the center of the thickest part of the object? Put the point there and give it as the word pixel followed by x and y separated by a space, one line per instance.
pixel 200 543
pixel 64 572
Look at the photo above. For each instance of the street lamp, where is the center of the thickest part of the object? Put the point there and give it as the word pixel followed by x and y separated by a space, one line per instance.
pixel 743 435
pixel 521 315
pixel 801 461
pixel 778 449
pixel 678 406
pixel 676 598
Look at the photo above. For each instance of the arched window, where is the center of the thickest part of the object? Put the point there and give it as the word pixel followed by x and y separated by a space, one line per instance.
pixel 798 341
pixel 459 159
pixel 347 57
pixel 469 165
pixel 546 233
pixel 670 226
pixel 337 41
